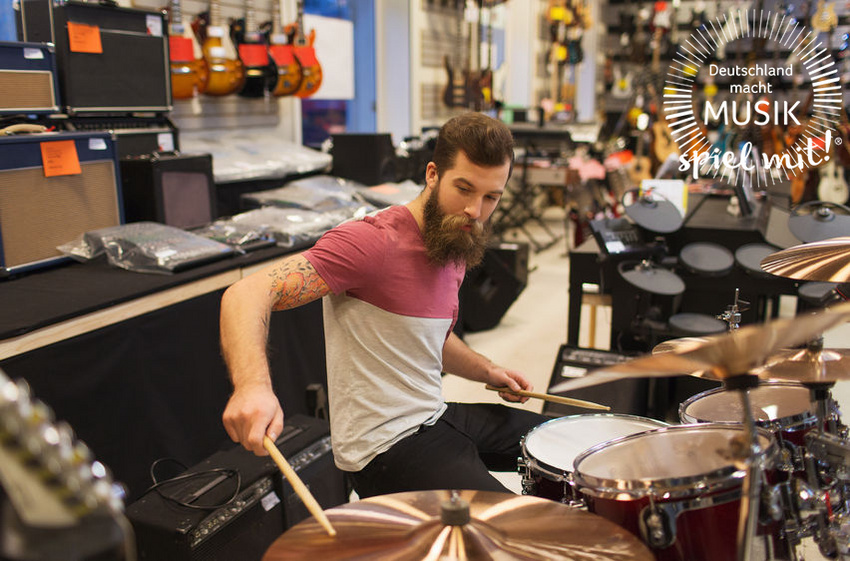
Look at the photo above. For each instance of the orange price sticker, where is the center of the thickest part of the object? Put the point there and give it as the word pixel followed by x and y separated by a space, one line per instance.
pixel 84 38
pixel 59 157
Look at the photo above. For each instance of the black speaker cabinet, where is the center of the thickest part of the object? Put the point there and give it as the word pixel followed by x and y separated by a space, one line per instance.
pixel 367 158
pixel 173 189
pixel 37 212
pixel 492 287
pixel 134 136
pixel 262 508
pixel 28 81
pixel 130 71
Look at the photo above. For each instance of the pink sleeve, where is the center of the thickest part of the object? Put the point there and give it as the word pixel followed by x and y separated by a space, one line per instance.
pixel 350 256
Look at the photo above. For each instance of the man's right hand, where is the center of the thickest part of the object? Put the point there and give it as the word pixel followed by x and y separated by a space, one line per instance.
pixel 252 412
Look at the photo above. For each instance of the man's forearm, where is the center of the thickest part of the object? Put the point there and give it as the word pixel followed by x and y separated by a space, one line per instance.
pixel 460 360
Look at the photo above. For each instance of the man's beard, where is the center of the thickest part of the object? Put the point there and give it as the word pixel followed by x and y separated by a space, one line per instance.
pixel 447 242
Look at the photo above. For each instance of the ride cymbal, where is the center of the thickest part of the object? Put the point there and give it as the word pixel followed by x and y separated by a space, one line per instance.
pixel 807 366
pixel 472 525
pixel 723 356
pixel 826 261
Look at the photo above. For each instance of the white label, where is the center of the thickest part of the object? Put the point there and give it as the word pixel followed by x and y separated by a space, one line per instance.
pixel 215 31
pixel 615 246
pixel 154 25
pixel 218 52
pixel 572 371
pixel 33 54
pixel 269 501
pixel 165 142
pixel 97 144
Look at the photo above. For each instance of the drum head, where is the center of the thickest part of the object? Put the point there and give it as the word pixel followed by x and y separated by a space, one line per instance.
pixel 696 324
pixel 771 404
pixel 656 215
pixel 556 443
pixel 750 256
pixel 707 258
pixel 682 457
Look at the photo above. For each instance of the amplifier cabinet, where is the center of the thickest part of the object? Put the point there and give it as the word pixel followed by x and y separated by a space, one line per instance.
pixel 263 508
pixel 173 189
pixel 28 81
pixel 131 72
pixel 134 135
pixel 39 213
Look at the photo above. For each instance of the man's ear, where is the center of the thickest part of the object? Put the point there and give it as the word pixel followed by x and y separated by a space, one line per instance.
pixel 431 175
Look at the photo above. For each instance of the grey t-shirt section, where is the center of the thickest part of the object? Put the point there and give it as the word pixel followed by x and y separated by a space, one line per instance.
pixel 382 386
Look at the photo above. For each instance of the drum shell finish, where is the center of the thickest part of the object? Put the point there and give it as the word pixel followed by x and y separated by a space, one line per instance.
pixel 548 450
pixel 685 470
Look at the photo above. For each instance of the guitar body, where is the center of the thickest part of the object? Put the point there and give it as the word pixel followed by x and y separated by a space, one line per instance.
pixel 288 70
pixel 260 72
pixel 454 94
pixel 311 70
pixel 832 188
pixel 226 71
pixel 189 72
pixel 188 79
pixel 663 145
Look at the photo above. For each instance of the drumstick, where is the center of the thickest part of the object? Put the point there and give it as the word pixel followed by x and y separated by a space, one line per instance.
pixel 298 486
pixel 552 398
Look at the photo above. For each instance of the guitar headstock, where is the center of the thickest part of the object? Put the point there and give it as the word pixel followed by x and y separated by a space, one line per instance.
pixel 50 477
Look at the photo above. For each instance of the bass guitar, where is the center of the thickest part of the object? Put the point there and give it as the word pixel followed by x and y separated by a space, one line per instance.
pixel 189 72
pixel 226 72
pixel 311 70
pixel 260 73
pixel 282 51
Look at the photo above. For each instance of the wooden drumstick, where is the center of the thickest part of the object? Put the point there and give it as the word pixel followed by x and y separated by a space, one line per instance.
pixel 552 398
pixel 298 486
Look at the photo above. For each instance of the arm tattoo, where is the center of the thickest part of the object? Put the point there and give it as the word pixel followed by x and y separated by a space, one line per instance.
pixel 296 282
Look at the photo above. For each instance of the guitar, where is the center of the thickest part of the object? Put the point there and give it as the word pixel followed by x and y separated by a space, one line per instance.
pixel 663 144
pixel 260 73
pixel 282 51
pixel 311 70
pixel 189 72
pixel 824 20
pixel 832 187
pixel 227 74
pixel 623 83
pixel 455 94
pixel 485 76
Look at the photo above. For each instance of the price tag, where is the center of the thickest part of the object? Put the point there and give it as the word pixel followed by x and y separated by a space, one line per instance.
pixel 165 142
pixel 59 157
pixel 180 49
pixel 84 38
pixel 33 54
pixel 154 25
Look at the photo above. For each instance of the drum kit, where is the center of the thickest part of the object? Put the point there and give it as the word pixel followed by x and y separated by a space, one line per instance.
pixel 758 467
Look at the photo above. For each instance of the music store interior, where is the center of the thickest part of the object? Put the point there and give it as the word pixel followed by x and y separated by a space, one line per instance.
pixel 668 265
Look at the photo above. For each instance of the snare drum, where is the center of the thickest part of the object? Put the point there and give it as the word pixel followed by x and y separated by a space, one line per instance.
pixel 783 408
pixel 676 488
pixel 548 450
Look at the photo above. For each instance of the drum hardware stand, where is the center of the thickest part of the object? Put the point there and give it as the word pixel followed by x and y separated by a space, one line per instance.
pixel 749 451
pixel 732 315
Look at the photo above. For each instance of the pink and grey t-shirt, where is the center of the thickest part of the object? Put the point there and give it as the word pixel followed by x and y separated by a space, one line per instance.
pixel 385 326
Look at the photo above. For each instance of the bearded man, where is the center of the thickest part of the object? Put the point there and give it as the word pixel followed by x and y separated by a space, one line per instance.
pixel 390 287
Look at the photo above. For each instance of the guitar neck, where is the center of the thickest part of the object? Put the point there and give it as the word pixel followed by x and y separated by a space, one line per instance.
pixel 300 38
pixel 215 13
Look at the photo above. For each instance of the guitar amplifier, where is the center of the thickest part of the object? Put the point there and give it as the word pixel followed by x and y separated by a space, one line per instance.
pixel 263 504
pixel 629 397
pixel 109 59
pixel 134 136
pixel 28 81
pixel 40 211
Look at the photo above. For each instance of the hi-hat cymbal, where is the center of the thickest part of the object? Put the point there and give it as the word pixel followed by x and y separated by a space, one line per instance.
pixel 724 356
pixel 826 261
pixel 410 526
pixel 807 366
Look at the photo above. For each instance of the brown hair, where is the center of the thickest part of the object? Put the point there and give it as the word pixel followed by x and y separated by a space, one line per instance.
pixel 485 141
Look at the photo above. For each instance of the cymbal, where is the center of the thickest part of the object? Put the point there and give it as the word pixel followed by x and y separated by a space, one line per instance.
pixel 680 344
pixel 724 356
pixel 807 366
pixel 409 526
pixel 826 261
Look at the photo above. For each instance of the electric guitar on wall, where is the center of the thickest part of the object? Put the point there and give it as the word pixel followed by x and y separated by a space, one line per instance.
pixel 227 74
pixel 282 51
pixel 456 93
pixel 189 72
pixel 260 73
pixel 311 70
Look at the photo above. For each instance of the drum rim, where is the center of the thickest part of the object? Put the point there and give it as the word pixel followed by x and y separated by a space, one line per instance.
pixel 804 419
pixel 560 474
pixel 670 488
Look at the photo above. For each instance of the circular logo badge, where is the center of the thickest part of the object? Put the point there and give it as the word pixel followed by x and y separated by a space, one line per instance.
pixel 757 110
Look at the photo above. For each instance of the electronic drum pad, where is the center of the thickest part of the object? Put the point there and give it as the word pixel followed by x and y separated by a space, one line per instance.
pixel 818 220
pixel 656 215
pixel 652 278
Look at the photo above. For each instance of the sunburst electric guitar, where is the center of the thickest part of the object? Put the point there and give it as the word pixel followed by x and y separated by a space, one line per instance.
pixel 227 74
pixel 188 69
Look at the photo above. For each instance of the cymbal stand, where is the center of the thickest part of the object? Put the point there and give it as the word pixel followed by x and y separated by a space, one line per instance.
pixel 750 492
pixel 732 315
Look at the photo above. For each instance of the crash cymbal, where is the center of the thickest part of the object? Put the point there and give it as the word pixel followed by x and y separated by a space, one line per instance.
pixel 680 344
pixel 826 261
pixel 723 356
pixel 807 366
pixel 472 525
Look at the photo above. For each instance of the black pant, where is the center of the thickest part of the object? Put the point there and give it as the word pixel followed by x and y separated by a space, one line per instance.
pixel 457 452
